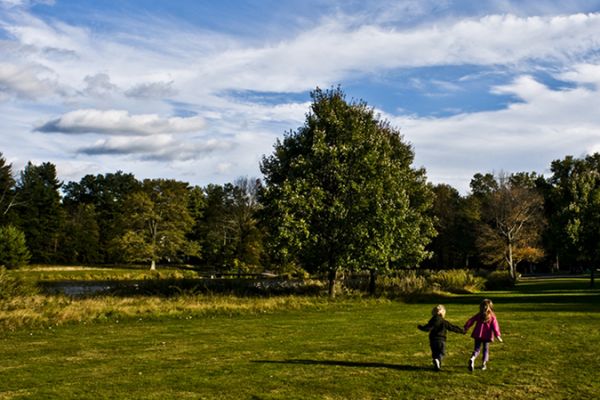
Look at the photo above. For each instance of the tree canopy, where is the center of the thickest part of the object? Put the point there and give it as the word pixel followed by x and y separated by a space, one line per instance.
pixel 341 192
pixel 157 220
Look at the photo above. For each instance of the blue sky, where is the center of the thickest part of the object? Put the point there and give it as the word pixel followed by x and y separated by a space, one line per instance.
pixel 200 90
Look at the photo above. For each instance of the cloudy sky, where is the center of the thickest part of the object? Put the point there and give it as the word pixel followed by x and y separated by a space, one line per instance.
pixel 200 90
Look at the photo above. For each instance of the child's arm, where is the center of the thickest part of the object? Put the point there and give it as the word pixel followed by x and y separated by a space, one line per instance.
pixel 454 328
pixel 496 328
pixel 469 323
pixel 427 327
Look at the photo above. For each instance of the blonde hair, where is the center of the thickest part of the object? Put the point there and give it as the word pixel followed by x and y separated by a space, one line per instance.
pixel 439 310
pixel 486 310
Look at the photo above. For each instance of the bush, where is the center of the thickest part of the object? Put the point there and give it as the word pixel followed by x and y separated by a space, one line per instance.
pixel 414 283
pixel 404 284
pixel 499 280
pixel 456 281
pixel 13 250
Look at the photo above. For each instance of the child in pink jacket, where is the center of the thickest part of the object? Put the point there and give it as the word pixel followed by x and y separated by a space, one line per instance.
pixel 486 329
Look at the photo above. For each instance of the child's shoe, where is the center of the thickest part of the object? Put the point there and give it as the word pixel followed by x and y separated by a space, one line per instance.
pixel 471 363
pixel 483 366
pixel 436 364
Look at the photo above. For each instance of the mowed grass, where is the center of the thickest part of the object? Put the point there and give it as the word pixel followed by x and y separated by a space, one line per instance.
pixel 347 349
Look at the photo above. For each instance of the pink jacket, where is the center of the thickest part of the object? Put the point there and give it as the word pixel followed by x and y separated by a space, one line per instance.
pixel 483 331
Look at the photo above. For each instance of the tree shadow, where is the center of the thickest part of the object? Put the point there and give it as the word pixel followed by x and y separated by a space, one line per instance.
pixel 340 363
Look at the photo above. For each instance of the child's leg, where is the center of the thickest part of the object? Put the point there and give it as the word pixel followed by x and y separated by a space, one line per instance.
pixel 486 352
pixel 437 353
pixel 476 349
pixel 438 349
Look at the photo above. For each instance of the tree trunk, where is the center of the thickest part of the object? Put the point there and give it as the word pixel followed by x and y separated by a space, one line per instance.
pixel 592 275
pixel 153 265
pixel 511 265
pixel 372 281
pixel 332 277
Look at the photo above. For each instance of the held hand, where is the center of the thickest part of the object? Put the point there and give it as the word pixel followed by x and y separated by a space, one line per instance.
pixel 500 339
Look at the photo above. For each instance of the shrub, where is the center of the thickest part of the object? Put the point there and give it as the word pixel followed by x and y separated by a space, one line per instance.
pixel 456 281
pixel 13 250
pixel 404 284
pixel 499 280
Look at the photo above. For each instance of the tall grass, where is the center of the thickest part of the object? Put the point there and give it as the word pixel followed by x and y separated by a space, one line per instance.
pixel 13 285
pixel 415 283
pixel 456 281
pixel 46 310
pixel 52 273
pixel 172 293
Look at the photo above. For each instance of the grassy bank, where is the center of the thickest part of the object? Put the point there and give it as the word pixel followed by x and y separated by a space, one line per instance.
pixel 348 349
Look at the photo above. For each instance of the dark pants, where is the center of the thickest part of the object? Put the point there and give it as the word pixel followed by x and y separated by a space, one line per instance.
pixel 438 348
pixel 486 350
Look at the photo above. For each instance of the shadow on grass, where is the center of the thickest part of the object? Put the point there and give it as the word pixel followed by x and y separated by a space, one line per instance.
pixel 340 363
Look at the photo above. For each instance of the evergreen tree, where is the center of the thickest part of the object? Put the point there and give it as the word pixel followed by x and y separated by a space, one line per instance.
pixel 81 235
pixel 8 198
pixel 13 250
pixel 107 194
pixel 40 213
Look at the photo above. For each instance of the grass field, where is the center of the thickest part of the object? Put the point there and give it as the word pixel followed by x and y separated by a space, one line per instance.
pixel 347 349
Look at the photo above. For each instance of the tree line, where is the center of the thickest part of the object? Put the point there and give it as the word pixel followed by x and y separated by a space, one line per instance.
pixel 339 193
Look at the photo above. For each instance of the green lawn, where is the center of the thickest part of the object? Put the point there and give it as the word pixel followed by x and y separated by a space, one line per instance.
pixel 350 349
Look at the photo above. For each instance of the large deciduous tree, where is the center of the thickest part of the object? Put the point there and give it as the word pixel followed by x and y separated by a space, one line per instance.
pixel 573 204
pixel 341 193
pixel 157 220
pixel 512 221
pixel 242 215
pixel 227 226
pixel 213 229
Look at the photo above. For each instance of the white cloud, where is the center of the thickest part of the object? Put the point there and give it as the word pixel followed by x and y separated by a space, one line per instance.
pixel 119 122
pixel 167 60
pixel 156 148
pixel 584 74
pixel 334 51
pixel 29 82
pixel 152 89
pixel 99 85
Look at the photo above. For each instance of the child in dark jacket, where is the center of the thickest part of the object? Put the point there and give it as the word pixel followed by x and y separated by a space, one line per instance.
pixel 437 328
